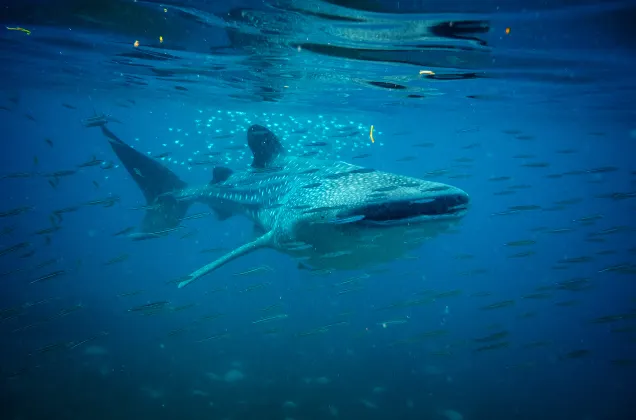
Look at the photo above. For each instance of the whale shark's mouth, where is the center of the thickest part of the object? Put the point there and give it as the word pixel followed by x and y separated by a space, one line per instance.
pixel 449 206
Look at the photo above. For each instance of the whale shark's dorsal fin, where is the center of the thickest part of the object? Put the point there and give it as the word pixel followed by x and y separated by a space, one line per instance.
pixel 220 174
pixel 265 146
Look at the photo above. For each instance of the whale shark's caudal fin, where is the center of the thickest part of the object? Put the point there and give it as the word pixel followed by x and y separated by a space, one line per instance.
pixel 261 242
pixel 156 183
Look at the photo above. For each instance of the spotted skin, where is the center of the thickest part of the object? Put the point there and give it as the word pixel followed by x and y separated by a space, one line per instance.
pixel 329 215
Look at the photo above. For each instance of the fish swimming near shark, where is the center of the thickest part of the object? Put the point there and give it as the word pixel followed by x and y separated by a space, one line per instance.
pixel 329 215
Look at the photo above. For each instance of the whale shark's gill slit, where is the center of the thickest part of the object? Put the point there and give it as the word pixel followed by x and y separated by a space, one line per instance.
pixel 345 220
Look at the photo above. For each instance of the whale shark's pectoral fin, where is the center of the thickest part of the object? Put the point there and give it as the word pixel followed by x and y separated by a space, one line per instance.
pixel 260 242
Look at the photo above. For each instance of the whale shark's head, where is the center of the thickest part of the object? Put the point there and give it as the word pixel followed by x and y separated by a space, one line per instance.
pixel 370 217
pixel 378 199
pixel 428 203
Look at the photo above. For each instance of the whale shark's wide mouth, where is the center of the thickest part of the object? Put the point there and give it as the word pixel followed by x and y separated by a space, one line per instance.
pixel 449 206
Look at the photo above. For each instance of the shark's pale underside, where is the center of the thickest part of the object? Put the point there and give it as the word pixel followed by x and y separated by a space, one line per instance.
pixel 327 214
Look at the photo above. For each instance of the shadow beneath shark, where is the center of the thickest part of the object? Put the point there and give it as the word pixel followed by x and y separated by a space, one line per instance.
pixel 328 215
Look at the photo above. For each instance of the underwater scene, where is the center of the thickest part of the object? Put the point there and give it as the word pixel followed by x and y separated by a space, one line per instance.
pixel 317 210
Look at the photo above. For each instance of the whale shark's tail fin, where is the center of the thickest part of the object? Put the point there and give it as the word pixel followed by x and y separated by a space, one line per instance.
pixel 156 182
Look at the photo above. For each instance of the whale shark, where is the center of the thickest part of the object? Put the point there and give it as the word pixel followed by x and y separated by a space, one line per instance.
pixel 329 215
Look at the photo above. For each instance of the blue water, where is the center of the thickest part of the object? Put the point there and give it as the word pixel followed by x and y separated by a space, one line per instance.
pixel 533 106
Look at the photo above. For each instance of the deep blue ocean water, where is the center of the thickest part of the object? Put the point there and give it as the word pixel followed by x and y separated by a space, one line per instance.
pixel 526 309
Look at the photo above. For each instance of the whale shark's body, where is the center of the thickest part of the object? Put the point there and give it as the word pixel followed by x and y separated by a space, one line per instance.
pixel 330 215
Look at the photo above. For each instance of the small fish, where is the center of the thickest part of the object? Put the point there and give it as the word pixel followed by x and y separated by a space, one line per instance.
pixel 16 175
pixel 28 254
pixel 162 155
pixel 351 290
pixel 189 234
pixel 50 348
pixel 213 250
pixel 623 362
pixel 536 164
pixel 386 324
pixel 47 231
pixel 529 207
pixel 256 270
pixel 270 318
pixel 522 254
pixel 48 276
pixel 16 211
pixel 62 173
pixel 537 296
pixel 74 344
pixel 92 162
pixel 505 213
pixel 497 305
pixel 214 337
pixel 613 318
pixel 183 307
pixel 14 248
pixel 576 354
pixel 272 307
pixel 127 294
pixel 406 159
pixel 118 259
pixel 575 284
pixel 153 306
pixel 124 231
pixel 492 337
pixel 495 346
pixel 106 202
pixel 567 303
pixel 524 242
pixel 572 260
pixel 450 293
pixel 618 268
pixel 561 230
pixel 602 170
pixel 253 287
